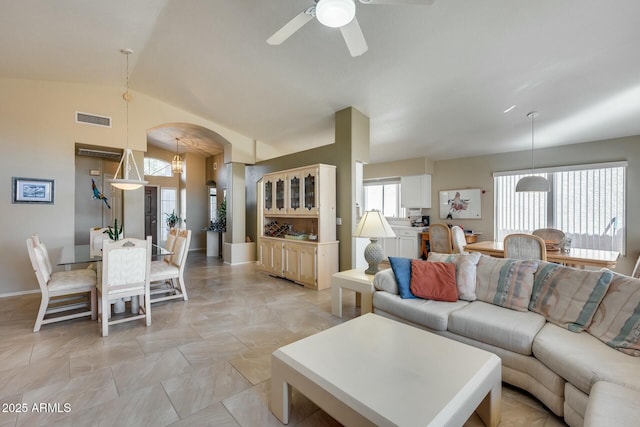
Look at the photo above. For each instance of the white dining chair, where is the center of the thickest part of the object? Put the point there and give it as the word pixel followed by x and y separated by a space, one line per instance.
pixel 126 265
pixel 167 277
pixel 61 291
pixel 458 240
pixel 636 269
pixel 524 246
pixel 96 236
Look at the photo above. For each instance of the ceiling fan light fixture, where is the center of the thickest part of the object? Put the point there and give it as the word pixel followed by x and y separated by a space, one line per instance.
pixel 335 13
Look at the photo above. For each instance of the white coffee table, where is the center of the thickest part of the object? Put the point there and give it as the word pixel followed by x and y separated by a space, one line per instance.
pixel 375 371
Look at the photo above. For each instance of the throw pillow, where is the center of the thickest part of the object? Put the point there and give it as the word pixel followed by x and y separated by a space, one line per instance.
pixel 402 270
pixel 465 271
pixel 434 280
pixel 617 319
pixel 505 282
pixel 568 296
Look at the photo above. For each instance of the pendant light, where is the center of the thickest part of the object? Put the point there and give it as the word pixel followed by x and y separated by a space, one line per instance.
pixel 127 159
pixel 176 163
pixel 532 182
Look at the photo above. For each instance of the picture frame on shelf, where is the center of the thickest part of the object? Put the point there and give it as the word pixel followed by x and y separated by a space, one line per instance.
pixel 32 190
pixel 461 204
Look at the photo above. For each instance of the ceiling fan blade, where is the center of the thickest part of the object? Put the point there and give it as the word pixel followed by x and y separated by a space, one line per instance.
pixel 396 2
pixel 354 38
pixel 289 28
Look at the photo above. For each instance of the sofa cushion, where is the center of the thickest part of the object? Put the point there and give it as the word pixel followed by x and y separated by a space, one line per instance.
pixel 505 282
pixel 385 280
pixel 612 405
pixel 568 296
pixel 508 329
pixel 428 313
pixel 434 280
pixel 583 360
pixel 402 270
pixel 465 271
pixel 617 319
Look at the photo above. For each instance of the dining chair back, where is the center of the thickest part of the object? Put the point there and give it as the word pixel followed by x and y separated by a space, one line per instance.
pixel 126 267
pixel 524 246
pixel 458 240
pixel 636 269
pixel 550 234
pixel 96 236
pixel 440 239
pixel 61 291
pixel 168 277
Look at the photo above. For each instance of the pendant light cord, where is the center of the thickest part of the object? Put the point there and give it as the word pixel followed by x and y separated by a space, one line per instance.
pixel 533 117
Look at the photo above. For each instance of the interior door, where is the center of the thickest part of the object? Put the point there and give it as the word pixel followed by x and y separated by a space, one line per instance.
pixel 151 213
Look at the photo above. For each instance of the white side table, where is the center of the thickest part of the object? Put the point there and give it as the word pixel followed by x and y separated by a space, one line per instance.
pixel 357 281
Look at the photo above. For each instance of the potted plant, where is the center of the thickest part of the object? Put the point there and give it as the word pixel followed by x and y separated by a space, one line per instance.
pixel 173 219
pixel 114 232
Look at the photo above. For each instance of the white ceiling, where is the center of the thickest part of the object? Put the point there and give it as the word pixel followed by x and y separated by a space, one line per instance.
pixel 435 80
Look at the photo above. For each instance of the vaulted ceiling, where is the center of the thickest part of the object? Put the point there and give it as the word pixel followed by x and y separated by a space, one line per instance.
pixel 435 80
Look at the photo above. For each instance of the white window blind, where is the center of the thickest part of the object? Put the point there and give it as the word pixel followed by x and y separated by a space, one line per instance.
pixel 383 195
pixel 587 203
pixel 168 204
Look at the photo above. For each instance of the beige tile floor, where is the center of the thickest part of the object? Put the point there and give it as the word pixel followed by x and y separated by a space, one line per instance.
pixel 205 362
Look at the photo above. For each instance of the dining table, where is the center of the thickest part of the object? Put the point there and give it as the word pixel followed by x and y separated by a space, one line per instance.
pixel 81 254
pixel 577 257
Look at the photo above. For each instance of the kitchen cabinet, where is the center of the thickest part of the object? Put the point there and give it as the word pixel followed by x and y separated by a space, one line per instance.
pixel 415 191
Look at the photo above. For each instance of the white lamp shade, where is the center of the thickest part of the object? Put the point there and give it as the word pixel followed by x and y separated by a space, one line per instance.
pixel 533 183
pixel 373 224
pixel 335 13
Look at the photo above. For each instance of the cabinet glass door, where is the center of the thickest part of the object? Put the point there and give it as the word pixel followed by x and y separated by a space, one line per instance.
pixel 294 194
pixel 310 198
pixel 268 196
pixel 280 195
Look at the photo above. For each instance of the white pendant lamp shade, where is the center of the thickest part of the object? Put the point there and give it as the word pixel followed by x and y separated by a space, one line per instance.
pixel 126 182
pixel 335 13
pixel 532 182
pixel 176 163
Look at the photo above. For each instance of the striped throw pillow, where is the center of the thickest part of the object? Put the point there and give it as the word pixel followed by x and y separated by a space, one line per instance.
pixel 568 296
pixel 617 319
pixel 505 282
pixel 465 271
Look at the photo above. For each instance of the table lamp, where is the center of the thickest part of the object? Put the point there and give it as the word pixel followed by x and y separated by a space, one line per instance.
pixel 374 226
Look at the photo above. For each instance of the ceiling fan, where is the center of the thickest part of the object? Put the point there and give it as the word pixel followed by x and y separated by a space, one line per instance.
pixel 336 14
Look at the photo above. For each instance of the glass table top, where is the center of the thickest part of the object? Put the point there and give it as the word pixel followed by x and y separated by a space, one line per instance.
pixel 79 254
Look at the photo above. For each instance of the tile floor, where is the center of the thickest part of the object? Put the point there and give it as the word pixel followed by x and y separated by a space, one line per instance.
pixel 205 362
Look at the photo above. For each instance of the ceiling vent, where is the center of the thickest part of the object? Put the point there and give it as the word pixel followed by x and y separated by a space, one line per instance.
pixel 104 154
pixel 92 119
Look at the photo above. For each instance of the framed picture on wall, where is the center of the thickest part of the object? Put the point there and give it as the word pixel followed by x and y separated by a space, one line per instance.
pixel 32 190
pixel 461 204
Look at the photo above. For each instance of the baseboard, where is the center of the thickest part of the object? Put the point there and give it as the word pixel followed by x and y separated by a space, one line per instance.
pixel 15 294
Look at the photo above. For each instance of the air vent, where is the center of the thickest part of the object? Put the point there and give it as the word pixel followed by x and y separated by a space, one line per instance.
pixel 92 119
pixel 90 152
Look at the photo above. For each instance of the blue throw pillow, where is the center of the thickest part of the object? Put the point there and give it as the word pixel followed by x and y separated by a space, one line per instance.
pixel 402 270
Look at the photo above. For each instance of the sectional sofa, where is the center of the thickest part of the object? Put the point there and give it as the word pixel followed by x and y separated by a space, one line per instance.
pixel 570 337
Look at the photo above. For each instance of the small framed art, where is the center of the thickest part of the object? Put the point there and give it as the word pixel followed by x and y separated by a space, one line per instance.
pixel 32 190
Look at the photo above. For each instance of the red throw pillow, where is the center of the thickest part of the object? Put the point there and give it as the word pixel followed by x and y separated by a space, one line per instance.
pixel 434 280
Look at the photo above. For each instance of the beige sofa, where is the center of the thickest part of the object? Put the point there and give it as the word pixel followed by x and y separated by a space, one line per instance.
pixel 540 353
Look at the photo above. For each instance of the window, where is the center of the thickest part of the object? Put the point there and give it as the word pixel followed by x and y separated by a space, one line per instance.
pixel 385 197
pixel 157 167
pixel 587 202
pixel 168 204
